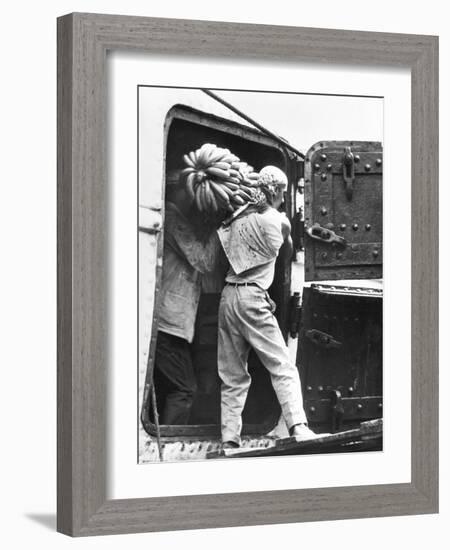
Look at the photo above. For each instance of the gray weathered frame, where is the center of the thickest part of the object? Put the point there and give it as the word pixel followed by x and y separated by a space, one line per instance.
pixel 83 40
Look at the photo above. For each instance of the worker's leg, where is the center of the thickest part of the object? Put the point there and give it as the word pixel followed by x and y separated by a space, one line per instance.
pixel 232 364
pixel 174 378
pixel 264 335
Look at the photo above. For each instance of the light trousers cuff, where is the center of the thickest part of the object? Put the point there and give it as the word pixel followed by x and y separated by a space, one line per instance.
pixel 294 417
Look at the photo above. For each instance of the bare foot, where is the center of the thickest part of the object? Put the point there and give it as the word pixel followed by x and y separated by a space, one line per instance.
pixel 301 432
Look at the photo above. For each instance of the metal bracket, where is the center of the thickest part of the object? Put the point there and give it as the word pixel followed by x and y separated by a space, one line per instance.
pixel 322 339
pixel 324 235
pixel 348 172
pixel 150 220
pixel 337 410
pixel 295 312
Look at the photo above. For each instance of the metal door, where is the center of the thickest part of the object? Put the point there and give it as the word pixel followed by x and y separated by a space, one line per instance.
pixel 343 210
pixel 340 355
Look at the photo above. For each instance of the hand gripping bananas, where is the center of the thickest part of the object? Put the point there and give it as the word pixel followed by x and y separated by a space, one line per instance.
pixel 216 180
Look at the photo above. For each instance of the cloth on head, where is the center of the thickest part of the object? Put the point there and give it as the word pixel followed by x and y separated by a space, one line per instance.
pixel 271 177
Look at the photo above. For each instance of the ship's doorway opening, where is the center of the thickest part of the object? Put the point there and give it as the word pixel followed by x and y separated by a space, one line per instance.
pixel 187 131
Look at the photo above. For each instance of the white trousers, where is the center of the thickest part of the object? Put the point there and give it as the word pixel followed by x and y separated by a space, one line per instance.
pixel 246 321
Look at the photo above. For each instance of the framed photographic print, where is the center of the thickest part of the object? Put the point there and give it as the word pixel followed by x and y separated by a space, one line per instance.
pixel 340 368
pixel 247 274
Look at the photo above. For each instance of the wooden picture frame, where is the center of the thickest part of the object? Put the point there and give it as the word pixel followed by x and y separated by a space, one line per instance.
pixel 83 40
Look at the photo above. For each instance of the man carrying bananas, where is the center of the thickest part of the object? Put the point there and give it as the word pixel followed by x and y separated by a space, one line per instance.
pixel 246 320
pixel 188 253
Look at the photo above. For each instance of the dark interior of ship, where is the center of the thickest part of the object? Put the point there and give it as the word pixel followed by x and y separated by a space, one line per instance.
pixel 262 410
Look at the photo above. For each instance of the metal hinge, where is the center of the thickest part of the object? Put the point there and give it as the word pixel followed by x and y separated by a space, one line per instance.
pixel 348 172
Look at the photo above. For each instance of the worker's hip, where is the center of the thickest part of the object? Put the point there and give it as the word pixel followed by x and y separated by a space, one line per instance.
pixel 246 300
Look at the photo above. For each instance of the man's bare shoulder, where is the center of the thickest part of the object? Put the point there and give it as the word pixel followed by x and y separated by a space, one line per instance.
pixel 285 226
pixel 279 219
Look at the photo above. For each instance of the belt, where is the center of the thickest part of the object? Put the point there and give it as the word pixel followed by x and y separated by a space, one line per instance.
pixel 241 284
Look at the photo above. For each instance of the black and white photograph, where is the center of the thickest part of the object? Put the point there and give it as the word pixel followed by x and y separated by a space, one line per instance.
pixel 260 273
pixel 221 271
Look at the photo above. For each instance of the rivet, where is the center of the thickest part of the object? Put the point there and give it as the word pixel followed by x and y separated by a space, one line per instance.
pixel 319 388
pixel 355 227
pixel 350 390
pixel 380 405
pixel 359 407
pixel 308 388
pixel 339 255
pixel 368 227
pixel 312 409
pixel 323 157
pixel 315 315
pixel 356 158
pixel 323 211
pixel 329 167
pixel 323 177
pixel 367 167
pixel 378 162
pixel 375 253
pixel 342 227
pixel 317 166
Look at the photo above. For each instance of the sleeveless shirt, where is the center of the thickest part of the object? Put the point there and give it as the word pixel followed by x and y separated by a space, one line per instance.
pixel 251 244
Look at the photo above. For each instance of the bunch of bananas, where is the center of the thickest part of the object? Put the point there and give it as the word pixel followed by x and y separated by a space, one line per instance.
pixel 246 173
pixel 216 180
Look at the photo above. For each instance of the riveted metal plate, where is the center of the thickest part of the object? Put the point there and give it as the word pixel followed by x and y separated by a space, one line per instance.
pixel 353 317
pixel 366 162
pixel 354 408
pixel 357 253
pixel 354 215
pixel 339 290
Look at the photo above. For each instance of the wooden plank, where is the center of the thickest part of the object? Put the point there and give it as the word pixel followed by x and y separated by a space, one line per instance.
pixel 322 443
